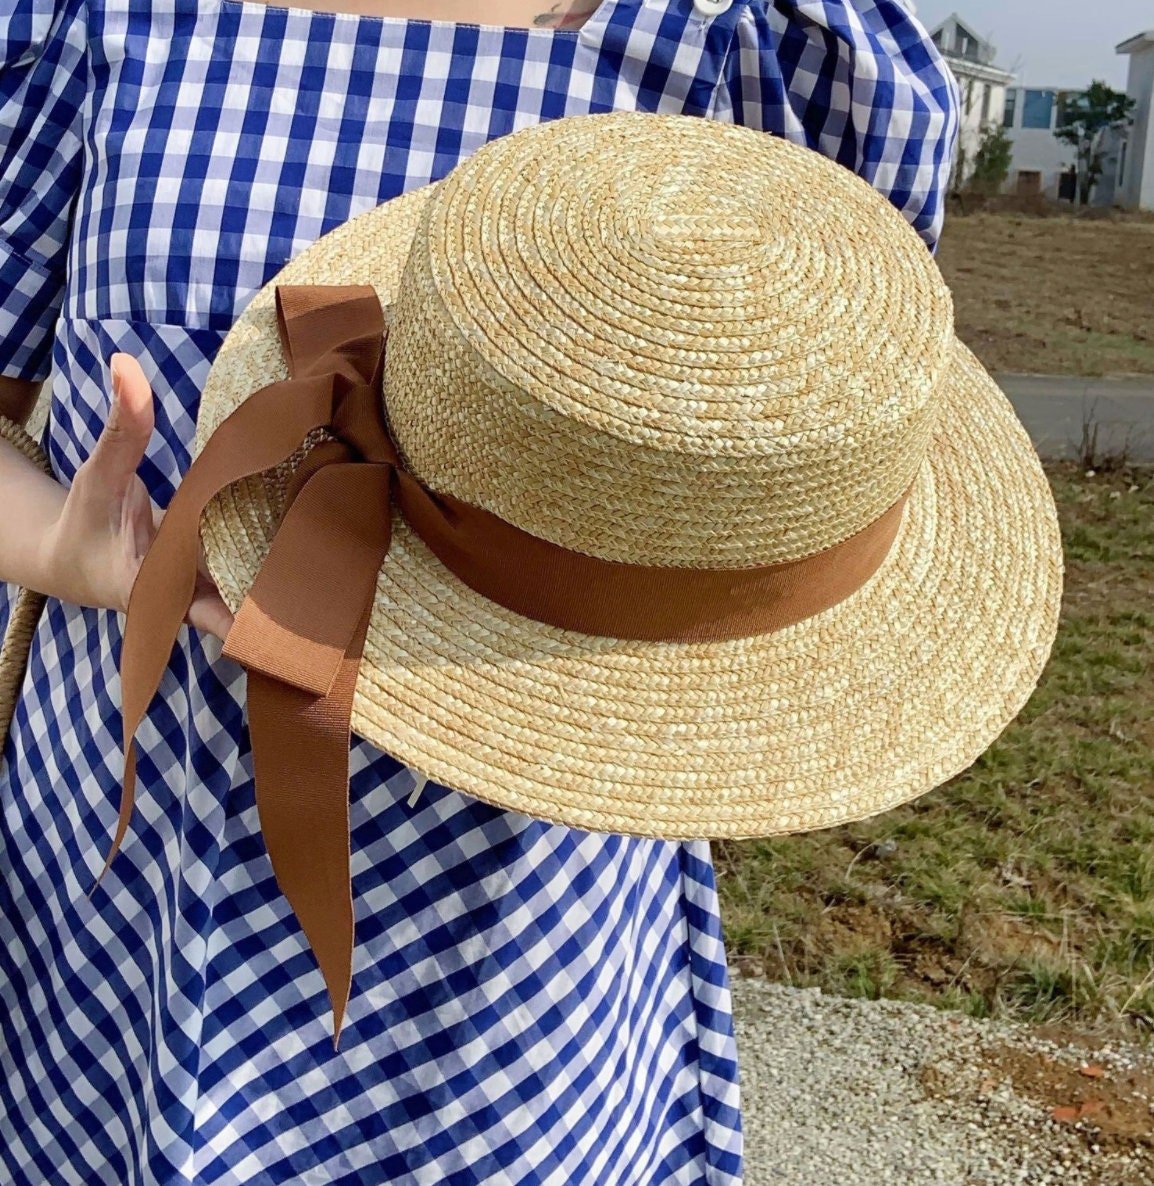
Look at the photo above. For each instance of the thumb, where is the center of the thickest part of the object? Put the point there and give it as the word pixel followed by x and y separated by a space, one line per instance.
pixel 120 447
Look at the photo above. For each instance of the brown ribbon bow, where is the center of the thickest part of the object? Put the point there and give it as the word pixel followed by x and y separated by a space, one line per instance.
pixel 300 634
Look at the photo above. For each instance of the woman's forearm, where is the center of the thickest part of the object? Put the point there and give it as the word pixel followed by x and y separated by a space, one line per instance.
pixel 30 506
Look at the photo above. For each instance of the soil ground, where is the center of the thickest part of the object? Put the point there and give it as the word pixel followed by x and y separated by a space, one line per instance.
pixel 1053 296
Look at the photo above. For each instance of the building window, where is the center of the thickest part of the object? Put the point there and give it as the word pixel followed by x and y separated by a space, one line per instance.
pixel 970 96
pixel 1038 109
pixel 968 47
pixel 1011 108
pixel 1122 163
pixel 987 95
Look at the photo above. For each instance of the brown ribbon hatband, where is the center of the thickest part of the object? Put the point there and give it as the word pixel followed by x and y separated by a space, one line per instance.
pixel 300 634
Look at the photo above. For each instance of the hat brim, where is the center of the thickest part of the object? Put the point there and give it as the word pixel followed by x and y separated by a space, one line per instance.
pixel 850 713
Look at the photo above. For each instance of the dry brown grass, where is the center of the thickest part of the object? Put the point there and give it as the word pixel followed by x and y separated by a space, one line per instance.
pixel 1061 296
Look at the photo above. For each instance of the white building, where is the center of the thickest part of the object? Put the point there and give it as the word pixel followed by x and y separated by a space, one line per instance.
pixel 1043 164
pixel 1136 167
pixel 982 84
pixel 1041 160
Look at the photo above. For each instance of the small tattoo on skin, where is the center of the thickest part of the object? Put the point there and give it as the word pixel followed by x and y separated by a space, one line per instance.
pixel 570 18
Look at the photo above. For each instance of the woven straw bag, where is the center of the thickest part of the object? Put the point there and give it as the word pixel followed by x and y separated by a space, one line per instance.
pixel 17 639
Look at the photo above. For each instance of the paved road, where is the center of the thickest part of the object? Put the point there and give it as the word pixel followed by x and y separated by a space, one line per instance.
pixel 1053 407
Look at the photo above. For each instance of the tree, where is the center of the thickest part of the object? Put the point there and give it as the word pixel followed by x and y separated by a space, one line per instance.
pixel 958 173
pixel 991 161
pixel 1089 119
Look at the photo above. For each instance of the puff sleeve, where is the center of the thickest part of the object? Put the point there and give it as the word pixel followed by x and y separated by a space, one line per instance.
pixel 860 81
pixel 43 85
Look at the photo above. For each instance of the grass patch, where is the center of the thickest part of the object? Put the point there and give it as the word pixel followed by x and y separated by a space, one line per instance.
pixel 1060 296
pixel 1025 886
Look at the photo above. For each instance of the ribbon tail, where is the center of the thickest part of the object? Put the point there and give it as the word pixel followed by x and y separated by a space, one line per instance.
pixel 300 634
pixel 302 796
pixel 127 803
pixel 306 830
pixel 160 596
pixel 166 580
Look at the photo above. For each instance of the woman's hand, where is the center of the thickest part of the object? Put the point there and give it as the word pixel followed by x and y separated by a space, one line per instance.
pixel 93 551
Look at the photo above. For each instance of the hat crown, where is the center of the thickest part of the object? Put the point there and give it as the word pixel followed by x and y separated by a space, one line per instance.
pixel 663 340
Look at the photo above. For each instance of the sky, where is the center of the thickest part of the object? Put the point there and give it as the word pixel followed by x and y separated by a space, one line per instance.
pixel 1060 43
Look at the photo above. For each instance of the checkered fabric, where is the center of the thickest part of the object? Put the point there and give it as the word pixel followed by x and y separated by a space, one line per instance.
pixel 531 1004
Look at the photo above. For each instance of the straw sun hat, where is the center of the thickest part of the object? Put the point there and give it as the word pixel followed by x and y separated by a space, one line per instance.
pixel 666 342
pixel 630 477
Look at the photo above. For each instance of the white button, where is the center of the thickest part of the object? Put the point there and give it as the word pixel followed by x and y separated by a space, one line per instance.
pixel 712 7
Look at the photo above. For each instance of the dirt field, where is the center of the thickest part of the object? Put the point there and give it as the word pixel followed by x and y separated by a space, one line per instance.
pixel 1060 296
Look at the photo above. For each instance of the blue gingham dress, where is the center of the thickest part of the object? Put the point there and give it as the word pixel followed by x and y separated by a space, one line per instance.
pixel 531 1004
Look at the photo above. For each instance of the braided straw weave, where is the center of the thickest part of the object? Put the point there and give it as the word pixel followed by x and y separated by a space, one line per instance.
pixel 668 341
pixel 17 639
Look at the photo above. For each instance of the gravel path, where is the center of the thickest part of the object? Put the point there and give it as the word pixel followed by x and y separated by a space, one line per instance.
pixel 850 1093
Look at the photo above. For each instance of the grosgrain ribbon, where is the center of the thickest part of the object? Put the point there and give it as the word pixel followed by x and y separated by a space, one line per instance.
pixel 300 633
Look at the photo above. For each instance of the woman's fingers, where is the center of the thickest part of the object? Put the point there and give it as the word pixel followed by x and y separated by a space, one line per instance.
pixel 120 447
pixel 115 460
pixel 209 613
